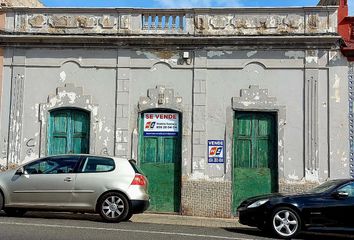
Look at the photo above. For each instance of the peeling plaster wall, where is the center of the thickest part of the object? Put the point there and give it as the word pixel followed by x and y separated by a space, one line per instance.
pixel 338 116
pixel 218 75
pixel 45 71
pixel 282 74
pixel 278 82
pixel 5 111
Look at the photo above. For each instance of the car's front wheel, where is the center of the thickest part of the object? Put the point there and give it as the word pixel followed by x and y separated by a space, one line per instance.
pixel 113 207
pixel 286 223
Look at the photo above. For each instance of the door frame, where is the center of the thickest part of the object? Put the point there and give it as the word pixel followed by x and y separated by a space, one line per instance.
pixel 180 136
pixel 67 109
pixel 252 99
pixel 276 146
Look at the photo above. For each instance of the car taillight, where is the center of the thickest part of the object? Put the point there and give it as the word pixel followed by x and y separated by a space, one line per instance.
pixel 139 180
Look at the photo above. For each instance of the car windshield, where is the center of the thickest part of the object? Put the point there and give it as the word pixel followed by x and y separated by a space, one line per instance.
pixel 325 187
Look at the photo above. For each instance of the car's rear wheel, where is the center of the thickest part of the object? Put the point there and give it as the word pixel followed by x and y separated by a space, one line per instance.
pixel 15 212
pixel 113 207
pixel 286 223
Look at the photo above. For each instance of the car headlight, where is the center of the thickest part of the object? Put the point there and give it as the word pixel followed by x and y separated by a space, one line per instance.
pixel 258 203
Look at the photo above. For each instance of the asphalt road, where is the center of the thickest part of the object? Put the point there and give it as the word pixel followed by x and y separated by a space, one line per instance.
pixel 59 226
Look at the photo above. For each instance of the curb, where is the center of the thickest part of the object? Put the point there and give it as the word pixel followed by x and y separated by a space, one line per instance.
pixel 170 219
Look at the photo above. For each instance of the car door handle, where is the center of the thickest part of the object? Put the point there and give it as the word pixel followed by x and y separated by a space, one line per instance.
pixel 68 179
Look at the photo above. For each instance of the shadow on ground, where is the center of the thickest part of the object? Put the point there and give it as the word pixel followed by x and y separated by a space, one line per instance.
pixel 303 236
pixel 60 215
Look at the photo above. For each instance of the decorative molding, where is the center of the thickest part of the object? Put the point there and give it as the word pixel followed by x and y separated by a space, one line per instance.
pixel 254 98
pixel 219 22
pixel 125 22
pixel 160 97
pixel 311 124
pixel 75 21
pixel 68 96
pixel 229 22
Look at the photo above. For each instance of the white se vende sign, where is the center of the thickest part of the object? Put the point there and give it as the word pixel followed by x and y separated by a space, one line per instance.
pixel 161 124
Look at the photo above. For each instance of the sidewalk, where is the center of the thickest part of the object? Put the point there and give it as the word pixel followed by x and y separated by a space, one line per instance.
pixel 186 220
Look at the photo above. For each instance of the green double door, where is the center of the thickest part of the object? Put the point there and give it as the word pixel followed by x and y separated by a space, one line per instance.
pixel 160 160
pixel 68 132
pixel 255 155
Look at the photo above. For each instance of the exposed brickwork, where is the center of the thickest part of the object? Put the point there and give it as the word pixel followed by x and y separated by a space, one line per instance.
pixel 206 199
pixel 296 187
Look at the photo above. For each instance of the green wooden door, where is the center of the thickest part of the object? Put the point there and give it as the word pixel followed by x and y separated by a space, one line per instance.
pixel 160 160
pixel 255 159
pixel 68 132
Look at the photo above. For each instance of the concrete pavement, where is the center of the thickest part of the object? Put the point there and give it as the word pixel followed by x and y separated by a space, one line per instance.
pixel 172 219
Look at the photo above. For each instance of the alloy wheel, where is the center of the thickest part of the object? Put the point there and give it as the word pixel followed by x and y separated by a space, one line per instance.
pixel 113 207
pixel 285 223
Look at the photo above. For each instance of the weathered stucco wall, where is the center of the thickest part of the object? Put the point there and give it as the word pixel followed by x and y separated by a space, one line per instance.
pixel 117 65
pixel 223 76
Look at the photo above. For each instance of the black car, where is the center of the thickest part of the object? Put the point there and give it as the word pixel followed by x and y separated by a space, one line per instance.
pixel 330 206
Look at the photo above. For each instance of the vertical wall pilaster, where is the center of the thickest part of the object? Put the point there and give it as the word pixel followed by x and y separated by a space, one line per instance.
pixel 122 148
pixel 199 113
pixel 16 111
pixel 311 116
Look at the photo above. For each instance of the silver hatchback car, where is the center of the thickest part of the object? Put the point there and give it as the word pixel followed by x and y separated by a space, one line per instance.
pixel 113 187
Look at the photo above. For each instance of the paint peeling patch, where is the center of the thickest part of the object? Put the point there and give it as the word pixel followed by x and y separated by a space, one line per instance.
pixel 100 126
pixel 312 175
pixel 251 53
pixel 212 54
pixel 168 57
pixel 293 177
pixel 333 56
pixel 295 54
pixel 336 87
pixel 62 76
pixel 246 104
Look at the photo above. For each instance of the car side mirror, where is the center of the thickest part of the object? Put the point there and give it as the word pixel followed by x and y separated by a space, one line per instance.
pixel 20 171
pixel 341 195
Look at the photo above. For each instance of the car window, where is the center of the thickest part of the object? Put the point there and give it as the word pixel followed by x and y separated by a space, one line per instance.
pixel 53 165
pixel 348 189
pixel 325 187
pixel 97 164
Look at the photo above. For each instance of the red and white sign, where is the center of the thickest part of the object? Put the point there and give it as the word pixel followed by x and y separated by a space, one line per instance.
pixel 161 124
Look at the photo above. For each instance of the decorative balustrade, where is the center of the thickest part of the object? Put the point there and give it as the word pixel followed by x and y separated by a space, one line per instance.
pixel 197 22
pixel 164 22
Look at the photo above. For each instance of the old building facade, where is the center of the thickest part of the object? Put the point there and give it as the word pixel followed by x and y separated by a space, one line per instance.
pixel 215 104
